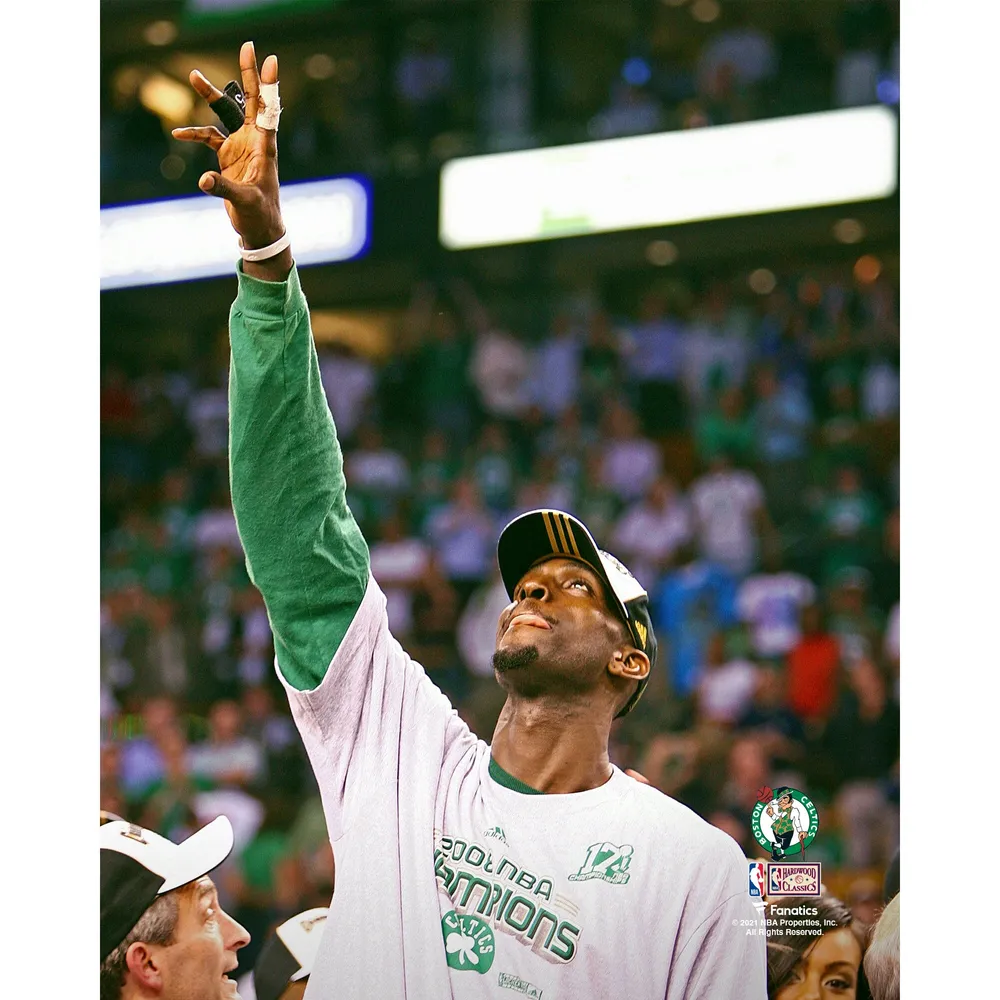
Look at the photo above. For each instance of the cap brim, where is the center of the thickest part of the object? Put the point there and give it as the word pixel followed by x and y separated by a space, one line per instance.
pixel 199 854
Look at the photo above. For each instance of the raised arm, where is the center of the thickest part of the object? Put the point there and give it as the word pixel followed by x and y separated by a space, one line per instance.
pixel 304 550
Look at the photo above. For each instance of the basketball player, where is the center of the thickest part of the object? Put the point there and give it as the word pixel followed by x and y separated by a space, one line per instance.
pixel 463 869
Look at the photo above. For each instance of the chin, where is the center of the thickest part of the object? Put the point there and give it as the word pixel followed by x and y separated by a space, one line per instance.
pixel 513 657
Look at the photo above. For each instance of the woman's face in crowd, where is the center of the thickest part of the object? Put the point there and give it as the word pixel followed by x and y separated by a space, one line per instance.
pixel 828 970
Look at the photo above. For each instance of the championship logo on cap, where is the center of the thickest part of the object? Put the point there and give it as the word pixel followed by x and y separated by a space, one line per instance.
pixel 784 821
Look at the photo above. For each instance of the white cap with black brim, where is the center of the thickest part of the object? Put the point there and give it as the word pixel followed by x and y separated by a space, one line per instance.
pixel 137 865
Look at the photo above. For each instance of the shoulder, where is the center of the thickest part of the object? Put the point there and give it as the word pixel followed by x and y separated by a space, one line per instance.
pixel 667 821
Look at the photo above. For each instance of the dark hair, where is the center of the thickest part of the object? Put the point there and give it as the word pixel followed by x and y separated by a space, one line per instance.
pixel 786 942
pixel 156 926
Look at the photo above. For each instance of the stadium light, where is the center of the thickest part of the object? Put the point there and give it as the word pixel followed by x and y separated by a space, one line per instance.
pixel 180 239
pixel 803 161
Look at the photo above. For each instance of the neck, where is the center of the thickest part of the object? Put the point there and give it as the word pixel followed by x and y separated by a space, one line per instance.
pixel 553 748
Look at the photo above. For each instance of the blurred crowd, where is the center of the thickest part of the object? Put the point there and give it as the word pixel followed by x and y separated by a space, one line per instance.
pixel 738 452
pixel 406 94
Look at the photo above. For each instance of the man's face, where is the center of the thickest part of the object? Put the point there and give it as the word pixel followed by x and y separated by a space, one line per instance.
pixel 559 633
pixel 194 967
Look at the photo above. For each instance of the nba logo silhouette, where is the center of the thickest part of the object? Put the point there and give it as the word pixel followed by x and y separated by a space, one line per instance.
pixel 756 879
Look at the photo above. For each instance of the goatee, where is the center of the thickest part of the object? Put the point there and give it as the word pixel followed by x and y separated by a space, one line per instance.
pixel 505 660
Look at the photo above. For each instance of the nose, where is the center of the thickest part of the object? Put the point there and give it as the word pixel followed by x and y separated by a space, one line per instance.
pixel 236 935
pixel 533 588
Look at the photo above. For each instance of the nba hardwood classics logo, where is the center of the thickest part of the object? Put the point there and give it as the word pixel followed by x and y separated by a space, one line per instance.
pixel 784 821
pixel 605 861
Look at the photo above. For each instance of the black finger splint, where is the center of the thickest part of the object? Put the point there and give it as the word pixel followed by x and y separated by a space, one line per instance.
pixel 231 107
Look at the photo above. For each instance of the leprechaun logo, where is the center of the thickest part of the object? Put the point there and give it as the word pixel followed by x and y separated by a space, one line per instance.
pixel 784 821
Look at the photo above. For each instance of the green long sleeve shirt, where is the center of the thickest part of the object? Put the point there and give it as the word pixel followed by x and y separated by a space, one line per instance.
pixel 304 550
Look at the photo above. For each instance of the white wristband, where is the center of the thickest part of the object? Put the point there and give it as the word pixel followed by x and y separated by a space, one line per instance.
pixel 269 107
pixel 265 253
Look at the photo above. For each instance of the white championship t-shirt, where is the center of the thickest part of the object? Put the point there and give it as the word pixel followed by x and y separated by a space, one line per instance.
pixel 450 884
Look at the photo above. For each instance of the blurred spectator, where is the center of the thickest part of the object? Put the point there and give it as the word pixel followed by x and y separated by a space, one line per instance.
pixel 716 350
pixel 568 442
pixel 745 50
pixel 463 538
pixel 841 432
pixel 141 758
pixel 856 625
pixel 864 897
pixel 375 469
pixel 597 505
pixel 477 627
pixel 727 684
pixel 602 364
pixel 631 110
pixel 215 525
pixel 349 381
pixel 169 802
pixel 557 367
pixel 693 600
pixel 654 351
pixel 726 428
pixel 424 84
pixel 770 719
pixel 227 757
pixel 771 601
pixel 890 647
pixel 880 388
pixel 730 514
pixel 435 473
pixel 813 665
pixel 398 562
pixel 494 468
pixel 864 29
pixel 651 530
pixel 848 524
pixel 862 739
pixel 440 365
pixel 781 420
pixel 631 461
pixel 748 768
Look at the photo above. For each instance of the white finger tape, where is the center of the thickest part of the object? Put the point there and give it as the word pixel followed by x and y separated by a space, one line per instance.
pixel 269 107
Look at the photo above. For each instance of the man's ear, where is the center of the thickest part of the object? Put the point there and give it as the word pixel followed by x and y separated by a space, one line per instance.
pixel 630 663
pixel 144 966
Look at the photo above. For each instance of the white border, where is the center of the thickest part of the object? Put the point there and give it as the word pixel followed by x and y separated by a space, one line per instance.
pixel 50 705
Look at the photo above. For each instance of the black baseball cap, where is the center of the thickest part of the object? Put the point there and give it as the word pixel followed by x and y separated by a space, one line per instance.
pixel 541 534
pixel 289 954
pixel 138 865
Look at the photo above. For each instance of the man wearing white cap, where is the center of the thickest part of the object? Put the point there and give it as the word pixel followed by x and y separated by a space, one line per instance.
pixel 284 964
pixel 464 870
pixel 163 932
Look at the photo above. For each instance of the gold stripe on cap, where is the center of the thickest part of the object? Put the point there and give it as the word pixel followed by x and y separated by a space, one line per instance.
pixel 641 629
pixel 548 528
pixel 562 535
pixel 572 539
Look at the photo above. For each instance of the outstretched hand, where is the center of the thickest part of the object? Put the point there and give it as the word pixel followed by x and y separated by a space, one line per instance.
pixel 248 159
